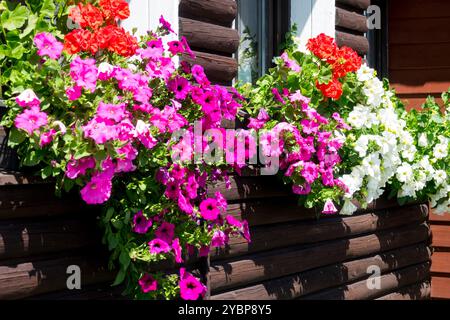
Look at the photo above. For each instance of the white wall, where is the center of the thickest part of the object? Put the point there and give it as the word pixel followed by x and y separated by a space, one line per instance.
pixel 144 14
pixel 312 18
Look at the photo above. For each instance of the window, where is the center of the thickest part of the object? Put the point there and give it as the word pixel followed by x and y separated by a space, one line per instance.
pixel 262 26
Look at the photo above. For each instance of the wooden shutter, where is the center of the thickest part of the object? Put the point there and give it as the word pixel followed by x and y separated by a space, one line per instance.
pixel 208 27
pixel 351 24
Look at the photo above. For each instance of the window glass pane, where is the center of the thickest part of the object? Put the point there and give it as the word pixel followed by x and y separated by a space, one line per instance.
pixel 253 25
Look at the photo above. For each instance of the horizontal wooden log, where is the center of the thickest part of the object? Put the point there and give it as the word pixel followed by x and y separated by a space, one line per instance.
pixel 388 282
pixel 312 231
pixel 359 43
pixel 217 68
pixel 261 267
pixel 440 288
pixel 7 178
pixel 441 262
pixel 439 217
pixel 30 238
pixel 38 200
pixel 419 291
pixel 221 12
pixel 360 4
pixel 441 236
pixel 350 20
pixel 96 292
pixel 23 279
pixel 207 36
pixel 331 276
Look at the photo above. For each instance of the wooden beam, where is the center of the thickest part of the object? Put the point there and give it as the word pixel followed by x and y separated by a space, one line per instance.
pixel 388 283
pixel 279 263
pixel 440 288
pixel 206 36
pixel 331 276
pixel 359 43
pixel 309 232
pixel 441 236
pixel 221 12
pixel 419 291
pixel 351 20
pixel 217 68
pixel 360 4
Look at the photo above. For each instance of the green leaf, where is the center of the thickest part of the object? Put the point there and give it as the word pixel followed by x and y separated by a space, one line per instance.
pixel 14 19
pixel 16 137
pixel 46 172
pixel 124 259
pixel 48 8
pixel 119 278
pixel 32 20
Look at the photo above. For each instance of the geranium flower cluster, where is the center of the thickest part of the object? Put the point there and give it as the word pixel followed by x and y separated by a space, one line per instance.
pixel 99 29
pixel 342 61
pixel 110 133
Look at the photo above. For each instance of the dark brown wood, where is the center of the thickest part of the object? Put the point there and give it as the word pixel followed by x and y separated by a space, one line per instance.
pixel 331 276
pixel 21 279
pixel 221 12
pixel 350 20
pixel 207 36
pixel 314 231
pixel 389 282
pixel 359 43
pixel 96 292
pixel 360 4
pixel 20 238
pixel 260 267
pixel 218 68
pixel 420 291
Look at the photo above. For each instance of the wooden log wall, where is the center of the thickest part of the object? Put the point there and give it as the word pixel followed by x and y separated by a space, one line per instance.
pixel 208 27
pixel 351 25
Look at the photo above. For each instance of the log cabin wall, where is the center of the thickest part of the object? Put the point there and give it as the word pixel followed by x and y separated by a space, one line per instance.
pixel 419 47
pixel 208 27
pixel 351 25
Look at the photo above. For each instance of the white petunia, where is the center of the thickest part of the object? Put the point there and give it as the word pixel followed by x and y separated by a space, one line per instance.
pixel 404 173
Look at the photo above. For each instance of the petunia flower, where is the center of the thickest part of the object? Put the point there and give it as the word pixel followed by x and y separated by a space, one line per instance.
pixel 158 246
pixel 190 287
pixel 209 209
pixel 140 223
pixel 48 45
pixel 177 250
pixel 148 283
pixel 166 232
pixel 98 190
pixel 329 207
pixel 28 98
pixel 31 120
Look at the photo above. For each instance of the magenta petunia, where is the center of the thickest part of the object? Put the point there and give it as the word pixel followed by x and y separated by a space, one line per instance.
pixel 329 207
pixel 144 135
pixel 148 283
pixel 177 250
pixel 28 98
pixel 199 75
pixel 165 24
pixel 190 287
pixel 301 190
pixel 46 138
pixel 172 190
pixel 76 168
pixel 166 232
pixel 180 87
pixel 98 190
pixel 209 209
pixel 84 73
pixel 154 50
pixel 31 120
pixel 73 93
pixel 158 246
pixel 100 130
pixel 310 172
pixel 110 111
pixel 127 154
pixel 140 223
pixel 48 45
pixel 219 239
pixel 175 47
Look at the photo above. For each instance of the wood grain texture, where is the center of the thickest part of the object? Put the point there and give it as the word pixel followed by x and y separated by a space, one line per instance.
pixel 221 12
pixel 207 36
pixel 218 68
pixel 441 262
pixel 331 276
pixel 279 263
pixel 315 231
pixel 360 4
pixel 441 238
pixel 440 288
pixel 419 291
pixel 359 43
pixel 350 20
pixel 388 282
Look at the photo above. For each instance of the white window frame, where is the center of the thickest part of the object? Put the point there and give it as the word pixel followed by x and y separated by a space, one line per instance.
pixel 312 18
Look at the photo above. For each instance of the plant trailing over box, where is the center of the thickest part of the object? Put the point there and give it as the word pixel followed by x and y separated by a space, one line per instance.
pixel 345 136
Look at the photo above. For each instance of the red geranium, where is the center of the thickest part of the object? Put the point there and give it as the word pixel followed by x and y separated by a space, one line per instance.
pixel 332 89
pixel 347 61
pixel 115 9
pixel 87 16
pixel 323 47
pixel 77 40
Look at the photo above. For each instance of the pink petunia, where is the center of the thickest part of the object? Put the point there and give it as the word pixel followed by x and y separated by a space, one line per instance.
pixel 177 250
pixel 100 130
pixel 28 98
pixel 190 287
pixel 289 63
pixel 84 73
pixel 48 45
pixel 154 50
pixel 148 283
pixel 125 164
pixel 46 138
pixel 301 190
pixel 209 209
pixel 329 207
pixel 144 135
pixel 165 24
pixel 73 93
pixel 219 239
pixel 76 168
pixel 140 223
pixel 31 120
pixel 310 172
pixel 175 47
pixel 199 75
pixel 158 246
pixel 114 112
pixel 105 71
pixel 166 232
pixel 180 87
pixel 98 190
